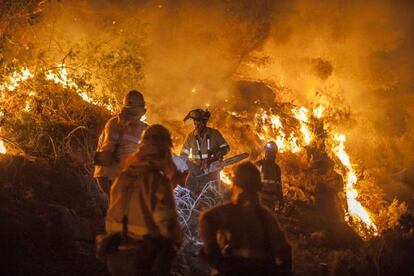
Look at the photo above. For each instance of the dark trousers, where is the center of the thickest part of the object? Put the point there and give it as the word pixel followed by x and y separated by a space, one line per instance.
pixel 148 257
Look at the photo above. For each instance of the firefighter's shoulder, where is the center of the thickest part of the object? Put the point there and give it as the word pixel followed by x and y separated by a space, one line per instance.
pixel 112 124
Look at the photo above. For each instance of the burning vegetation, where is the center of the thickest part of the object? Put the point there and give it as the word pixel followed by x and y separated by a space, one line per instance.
pixel 56 96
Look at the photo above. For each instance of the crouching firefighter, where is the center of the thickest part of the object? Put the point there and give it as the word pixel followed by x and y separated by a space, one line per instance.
pixel 202 146
pixel 142 208
pixel 119 139
pixel 242 237
pixel 271 195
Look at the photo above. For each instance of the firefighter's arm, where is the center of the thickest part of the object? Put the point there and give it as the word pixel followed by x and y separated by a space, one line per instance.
pixel 109 137
pixel 107 144
pixel 208 233
pixel 165 214
pixel 185 150
pixel 223 146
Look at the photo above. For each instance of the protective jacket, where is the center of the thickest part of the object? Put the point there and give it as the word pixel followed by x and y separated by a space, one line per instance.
pixel 120 138
pixel 203 148
pixel 271 190
pixel 151 209
pixel 244 232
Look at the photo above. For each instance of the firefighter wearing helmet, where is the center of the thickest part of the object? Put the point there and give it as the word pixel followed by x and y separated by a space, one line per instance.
pixel 119 139
pixel 202 146
pixel 241 237
pixel 142 209
pixel 271 191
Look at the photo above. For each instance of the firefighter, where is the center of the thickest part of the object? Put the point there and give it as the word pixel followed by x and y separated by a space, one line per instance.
pixel 142 207
pixel 202 146
pixel 241 237
pixel 271 191
pixel 119 139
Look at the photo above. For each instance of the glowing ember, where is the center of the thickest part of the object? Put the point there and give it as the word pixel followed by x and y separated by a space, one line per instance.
pixel 355 209
pixel 301 115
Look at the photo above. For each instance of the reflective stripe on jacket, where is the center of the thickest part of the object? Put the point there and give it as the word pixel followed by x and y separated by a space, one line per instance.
pixel 272 181
pixel 110 137
pixel 151 202
pixel 196 147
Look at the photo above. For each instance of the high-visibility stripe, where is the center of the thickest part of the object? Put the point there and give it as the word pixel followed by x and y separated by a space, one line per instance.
pixel 185 151
pixel 198 145
pixel 113 227
pixel 269 181
pixel 208 143
pixel 204 155
pixel 223 145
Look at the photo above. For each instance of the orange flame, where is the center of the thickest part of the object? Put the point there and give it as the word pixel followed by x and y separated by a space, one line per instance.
pixel 302 116
pixel 3 149
pixel 355 208
pixel 225 178
pixel 318 111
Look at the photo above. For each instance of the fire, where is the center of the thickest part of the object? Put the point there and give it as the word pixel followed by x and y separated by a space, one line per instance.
pixel 355 208
pixel 270 128
pixel 318 111
pixel 27 106
pixel 225 178
pixel 302 116
pixel 2 147
pixel 62 77
pixel 15 79
pixel 59 76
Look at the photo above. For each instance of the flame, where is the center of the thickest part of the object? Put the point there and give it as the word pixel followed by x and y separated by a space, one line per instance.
pixel 27 106
pixel 355 208
pixel 15 79
pixel 225 178
pixel 301 115
pixel 318 111
pixel 61 77
pixel 270 128
pixel 3 149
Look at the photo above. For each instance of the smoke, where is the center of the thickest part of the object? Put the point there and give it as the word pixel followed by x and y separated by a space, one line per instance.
pixel 353 55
